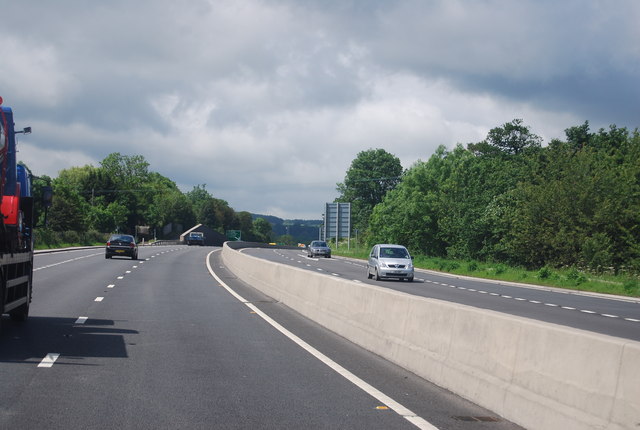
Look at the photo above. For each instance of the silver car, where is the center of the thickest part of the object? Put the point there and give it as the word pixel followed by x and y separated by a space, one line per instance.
pixel 318 248
pixel 390 261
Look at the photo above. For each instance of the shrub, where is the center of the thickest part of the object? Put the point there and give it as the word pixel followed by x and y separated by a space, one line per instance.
pixel 576 277
pixel 47 238
pixel 500 268
pixel 544 273
pixel 631 286
pixel 451 266
pixel 70 237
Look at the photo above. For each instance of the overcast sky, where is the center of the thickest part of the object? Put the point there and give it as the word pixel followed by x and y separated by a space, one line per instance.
pixel 267 102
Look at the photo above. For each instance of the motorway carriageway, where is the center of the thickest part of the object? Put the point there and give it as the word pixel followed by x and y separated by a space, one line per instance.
pixel 609 315
pixel 160 342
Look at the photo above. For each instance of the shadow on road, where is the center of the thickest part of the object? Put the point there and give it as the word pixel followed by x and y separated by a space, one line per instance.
pixel 30 341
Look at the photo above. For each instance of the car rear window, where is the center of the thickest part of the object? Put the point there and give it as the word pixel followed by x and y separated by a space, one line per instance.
pixel 121 238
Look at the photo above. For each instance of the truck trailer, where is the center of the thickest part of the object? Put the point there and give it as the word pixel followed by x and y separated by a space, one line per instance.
pixel 16 225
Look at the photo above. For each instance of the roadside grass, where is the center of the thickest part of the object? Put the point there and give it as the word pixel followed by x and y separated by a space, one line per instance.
pixel 569 278
pixel 48 239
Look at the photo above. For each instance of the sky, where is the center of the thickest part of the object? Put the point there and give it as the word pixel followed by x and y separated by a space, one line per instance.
pixel 267 102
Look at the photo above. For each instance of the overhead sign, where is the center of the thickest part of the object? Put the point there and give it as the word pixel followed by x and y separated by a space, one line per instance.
pixel 337 220
pixel 234 235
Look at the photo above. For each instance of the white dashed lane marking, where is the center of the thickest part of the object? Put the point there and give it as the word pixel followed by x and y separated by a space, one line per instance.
pixel 535 302
pixel 49 360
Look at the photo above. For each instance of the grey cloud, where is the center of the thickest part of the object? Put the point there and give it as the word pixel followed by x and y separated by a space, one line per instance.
pixel 276 97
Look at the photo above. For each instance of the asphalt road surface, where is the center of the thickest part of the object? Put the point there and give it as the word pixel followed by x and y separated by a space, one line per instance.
pixel 613 316
pixel 160 343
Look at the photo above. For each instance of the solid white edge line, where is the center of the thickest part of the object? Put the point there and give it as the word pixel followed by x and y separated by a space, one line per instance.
pixel 81 320
pixel 419 422
pixel 49 360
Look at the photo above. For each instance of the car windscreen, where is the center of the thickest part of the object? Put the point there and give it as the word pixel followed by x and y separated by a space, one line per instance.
pixel 394 253
pixel 319 244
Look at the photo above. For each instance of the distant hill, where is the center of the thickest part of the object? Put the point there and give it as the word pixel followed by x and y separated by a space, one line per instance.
pixel 303 231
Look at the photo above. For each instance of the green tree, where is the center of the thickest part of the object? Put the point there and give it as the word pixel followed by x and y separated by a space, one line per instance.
pixel 582 206
pixel 511 138
pixel 203 206
pixel 244 221
pixel 69 208
pixel 129 175
pixel 171 207
pixel 409 213
pixel 262 229
pixel 371 175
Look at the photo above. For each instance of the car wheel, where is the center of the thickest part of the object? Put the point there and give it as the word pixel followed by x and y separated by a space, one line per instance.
pixel 107 256
pixel 369 276
pixel 410 279
pixel 377 275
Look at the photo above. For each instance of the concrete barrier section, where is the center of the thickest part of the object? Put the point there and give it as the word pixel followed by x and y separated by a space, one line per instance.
pixel 539 375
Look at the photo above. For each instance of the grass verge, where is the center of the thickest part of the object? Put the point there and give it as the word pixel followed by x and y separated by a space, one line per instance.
pixel 48 239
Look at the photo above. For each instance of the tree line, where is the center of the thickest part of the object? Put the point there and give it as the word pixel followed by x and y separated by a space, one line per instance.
pixel 574 202
pixel 123 193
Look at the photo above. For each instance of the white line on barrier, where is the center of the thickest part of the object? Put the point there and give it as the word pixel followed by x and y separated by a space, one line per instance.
pixel 398 408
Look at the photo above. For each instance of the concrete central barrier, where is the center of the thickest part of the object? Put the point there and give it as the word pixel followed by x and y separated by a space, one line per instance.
pixel 539 375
